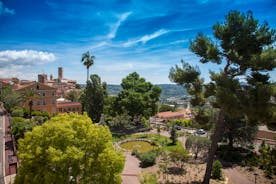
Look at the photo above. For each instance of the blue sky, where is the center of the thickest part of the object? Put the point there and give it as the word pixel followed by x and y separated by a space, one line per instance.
pixel 149 37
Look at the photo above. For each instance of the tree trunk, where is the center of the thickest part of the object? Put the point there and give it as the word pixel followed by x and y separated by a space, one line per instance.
pixel 214 145
pixel 87 74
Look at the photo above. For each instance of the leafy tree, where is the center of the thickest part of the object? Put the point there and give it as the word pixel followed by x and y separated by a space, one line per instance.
pixel 69 149
pixel 10 98
pixel 121 122
pixel 19 126
pixel 87 60
pixel 197 144
pixel 179 156
pixel 95 94
pixel 164 108
pixel 237 130
pixel 73 95
pixel 244 48
pixel 138 97
pixel 173 136
pixel 29 97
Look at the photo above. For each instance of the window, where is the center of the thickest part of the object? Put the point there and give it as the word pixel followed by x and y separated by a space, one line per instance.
pixel 73 109
pixel 43 94
pixel 69 109
pixel 53 93
pixel 53 101
pixel 38 102
pixel 44 102
pixel 60 109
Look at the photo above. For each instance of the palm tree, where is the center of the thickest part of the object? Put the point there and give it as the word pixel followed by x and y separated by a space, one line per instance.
pixel 29 96
pixel 87 61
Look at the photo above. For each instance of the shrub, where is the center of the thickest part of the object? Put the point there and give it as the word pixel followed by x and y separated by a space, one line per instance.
pixel 17 112
pixel 216 171
pixel 17 120
pixel 135 152
pixel 147 159
pixel 148 179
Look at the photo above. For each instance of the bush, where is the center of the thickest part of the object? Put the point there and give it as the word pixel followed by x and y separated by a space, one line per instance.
pixel 17 112
pixel 17 120
pixel 216 171
pixel 135 152
pixel 147 159
pixel 148 179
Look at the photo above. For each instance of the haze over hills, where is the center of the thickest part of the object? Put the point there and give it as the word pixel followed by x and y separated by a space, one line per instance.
pixel 168 90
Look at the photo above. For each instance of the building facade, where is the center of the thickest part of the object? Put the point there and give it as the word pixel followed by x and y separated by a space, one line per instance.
pixel 46 97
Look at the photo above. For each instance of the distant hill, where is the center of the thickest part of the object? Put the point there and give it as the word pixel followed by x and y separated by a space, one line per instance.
pixel 168 90
pixel 172 90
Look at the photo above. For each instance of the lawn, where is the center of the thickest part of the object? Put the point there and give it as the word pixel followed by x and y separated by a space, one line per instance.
pixel 163 141
pixel 140 146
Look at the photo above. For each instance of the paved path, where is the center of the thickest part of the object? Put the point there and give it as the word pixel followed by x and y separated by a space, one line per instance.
pixel 235 177
pixel 2 165
pixel 131 170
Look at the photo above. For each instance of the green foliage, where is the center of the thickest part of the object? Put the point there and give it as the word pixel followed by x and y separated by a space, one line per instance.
pixel 69 149
pixel 165 107
pixel 179 156
pixel 19 126
pixel 197 144
pixel 88 61
pixel 268 159
pixel 120 122
pixel 138 98
pixel 10 98
pixel 29 97
pixel 241 89
pixel 17 112
pixel 93 99
pixel 238 130
pixel 173 136
pixel 148 178
pixel 181 122
pixel 216 171
pixel 73 95
pixel 147 159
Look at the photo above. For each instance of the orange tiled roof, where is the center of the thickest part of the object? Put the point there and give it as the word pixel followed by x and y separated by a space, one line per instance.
pixel 62 104
pixel 170 114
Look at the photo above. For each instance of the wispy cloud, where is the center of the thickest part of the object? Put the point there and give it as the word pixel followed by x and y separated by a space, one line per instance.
pixel 146 38
pixel 115 27
pixel 25 57
pixel 4 10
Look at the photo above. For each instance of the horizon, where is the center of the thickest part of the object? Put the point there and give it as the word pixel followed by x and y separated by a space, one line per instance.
pixel 125 36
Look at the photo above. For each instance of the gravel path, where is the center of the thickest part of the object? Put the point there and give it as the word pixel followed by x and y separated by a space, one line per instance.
pixel 235 177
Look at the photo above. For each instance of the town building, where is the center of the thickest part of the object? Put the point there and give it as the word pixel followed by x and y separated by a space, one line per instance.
pixel 46 99
pixel 180 114
pixel 66 106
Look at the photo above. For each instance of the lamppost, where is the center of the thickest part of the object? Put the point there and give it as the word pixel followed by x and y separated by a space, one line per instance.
pixel 255 174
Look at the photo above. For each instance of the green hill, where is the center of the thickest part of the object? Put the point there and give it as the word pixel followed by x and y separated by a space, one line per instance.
pixel 168 90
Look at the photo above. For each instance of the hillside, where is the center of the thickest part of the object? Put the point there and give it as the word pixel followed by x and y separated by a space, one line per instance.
pixel 168 90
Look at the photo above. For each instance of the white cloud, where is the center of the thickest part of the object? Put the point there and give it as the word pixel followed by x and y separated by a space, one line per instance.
pixel 146 38
pixel 115 27
pixel 25 58
pixel 5 10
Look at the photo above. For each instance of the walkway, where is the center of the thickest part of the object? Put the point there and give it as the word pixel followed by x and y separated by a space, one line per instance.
pixel 235 177
pixel 131 170
pixel 2 165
